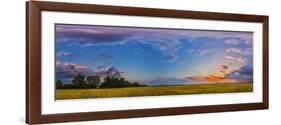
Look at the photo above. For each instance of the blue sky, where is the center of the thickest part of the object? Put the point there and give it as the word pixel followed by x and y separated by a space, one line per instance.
pixel 154 56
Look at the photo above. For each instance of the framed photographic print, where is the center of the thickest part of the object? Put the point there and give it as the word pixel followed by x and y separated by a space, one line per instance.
pixel 94 62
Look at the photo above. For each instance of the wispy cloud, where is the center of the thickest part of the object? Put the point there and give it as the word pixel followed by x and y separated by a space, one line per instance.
pixel 232 41
pixel 242 51
pixel 238 41
pixel 200 51
pixel 234 50
pixel 63 53
pixel 233 59
pixel 210 79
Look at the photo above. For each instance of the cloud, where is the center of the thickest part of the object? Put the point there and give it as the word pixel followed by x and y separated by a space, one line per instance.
pixel 234 50
pixel 168 41
pixel 224 69
pixel 63 53
pixel 88 37
pixel 248 42
pixel 104 71
pixel 232 69
pixel 248 51
pixel 238 41
pixel 200 52
pixel 168 44
pixel 94 36
pixel 233 59
pixel 242 51
pixel 245 73
pixel 69 70
pixel 226 74
pixel 220 34
pixel 232 41
pixel 170 58
pixel 210 79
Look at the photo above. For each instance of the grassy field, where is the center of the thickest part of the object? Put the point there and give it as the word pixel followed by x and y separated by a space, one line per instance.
pixel 154 91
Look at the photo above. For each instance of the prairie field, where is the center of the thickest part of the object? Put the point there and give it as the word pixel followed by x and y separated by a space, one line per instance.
pixel 64 94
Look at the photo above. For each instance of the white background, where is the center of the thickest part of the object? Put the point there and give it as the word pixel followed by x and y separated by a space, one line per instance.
pixel 12 64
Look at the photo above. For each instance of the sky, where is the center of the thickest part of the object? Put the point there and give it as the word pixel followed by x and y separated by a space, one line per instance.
pixel 154 56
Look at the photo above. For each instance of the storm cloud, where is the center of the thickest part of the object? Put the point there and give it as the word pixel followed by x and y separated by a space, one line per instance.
pixel 67 70
pixel 88 36
pixel 245 73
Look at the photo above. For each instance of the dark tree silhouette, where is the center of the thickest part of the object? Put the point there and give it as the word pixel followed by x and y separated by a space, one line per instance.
pixel 93 81
pixel 108 82
pixel 59 84
pixel 113 82
pixel 69 86
pixel 82 82
pixel 79 81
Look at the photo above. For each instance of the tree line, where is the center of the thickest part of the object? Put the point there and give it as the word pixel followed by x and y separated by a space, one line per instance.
pixel 89 82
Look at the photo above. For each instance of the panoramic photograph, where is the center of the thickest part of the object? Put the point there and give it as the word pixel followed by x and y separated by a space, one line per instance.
pixel 94 61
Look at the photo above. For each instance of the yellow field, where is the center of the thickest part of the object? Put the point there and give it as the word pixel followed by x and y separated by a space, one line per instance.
pixel 154 91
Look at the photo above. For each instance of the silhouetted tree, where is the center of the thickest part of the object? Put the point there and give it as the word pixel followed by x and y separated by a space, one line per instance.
pixel 93 81
pixel 79 81
pixel 82 82
pixel 69 86
pixel 108 82
pixel 59 84
pixel 113 82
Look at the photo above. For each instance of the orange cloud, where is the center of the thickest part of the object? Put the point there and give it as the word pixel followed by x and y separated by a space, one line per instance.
pixel 211 79
pixel 221 72
pixel 215 77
